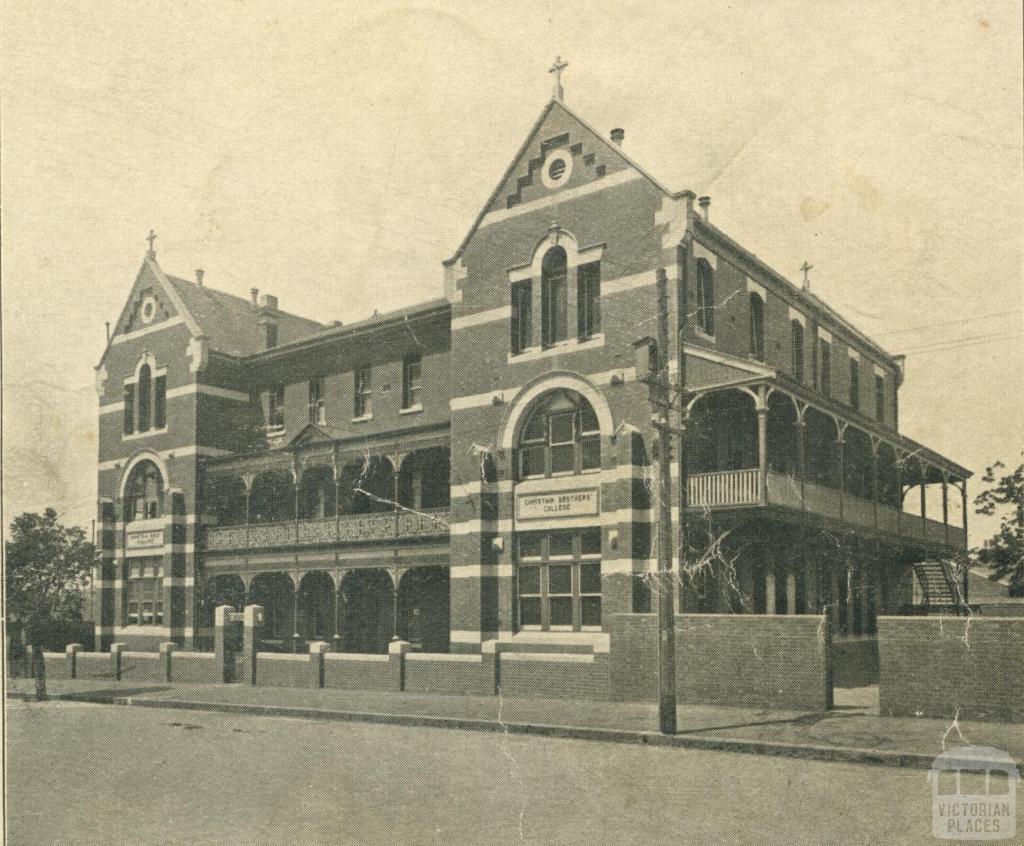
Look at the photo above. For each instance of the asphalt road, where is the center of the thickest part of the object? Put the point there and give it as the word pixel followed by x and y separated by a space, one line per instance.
pixel 95 774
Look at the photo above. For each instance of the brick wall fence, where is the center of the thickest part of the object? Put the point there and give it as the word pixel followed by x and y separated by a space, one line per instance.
pixel 939 666
pixel 772 661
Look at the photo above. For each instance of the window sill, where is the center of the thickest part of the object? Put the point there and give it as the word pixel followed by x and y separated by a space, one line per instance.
pixel 412 409
pixel 362 419
pixel 568 346
pixel 704 336
pixel 148 433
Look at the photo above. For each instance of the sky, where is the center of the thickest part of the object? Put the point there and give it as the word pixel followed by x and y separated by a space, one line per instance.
pixel 334 154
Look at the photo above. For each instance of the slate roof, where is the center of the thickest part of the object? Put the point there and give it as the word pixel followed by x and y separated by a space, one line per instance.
pixel 232 323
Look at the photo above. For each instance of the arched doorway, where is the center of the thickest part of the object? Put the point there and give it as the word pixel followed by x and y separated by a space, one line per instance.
pixel 275 593
pixel 424 479
pixel 423 606
pixel 367 619
pixel 723 433
pixel 317 494
pixel 316 606
pixel 226 589
pixel 272 499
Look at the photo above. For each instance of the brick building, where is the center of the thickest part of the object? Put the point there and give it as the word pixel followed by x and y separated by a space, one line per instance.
pixel 476 469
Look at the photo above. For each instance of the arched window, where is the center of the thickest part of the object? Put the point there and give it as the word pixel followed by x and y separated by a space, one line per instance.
pixel 798 351
pixel 145 400
pixel 561 435
pixel 143 493
pixel 706 293
pixel 756 326
pixel 554 316
pixel 143 392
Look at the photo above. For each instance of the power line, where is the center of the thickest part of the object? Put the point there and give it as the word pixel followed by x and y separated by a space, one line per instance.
pixel 947 323
pixel 977 343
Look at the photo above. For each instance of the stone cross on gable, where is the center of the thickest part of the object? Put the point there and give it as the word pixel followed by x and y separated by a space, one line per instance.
pixel 807 268
pixel 557 69
pixel 151 238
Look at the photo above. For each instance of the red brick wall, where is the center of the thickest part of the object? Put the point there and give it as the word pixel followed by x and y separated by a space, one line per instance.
pixel 343 672
pixel 449 674
pixel 939 666
pixel 554 677
pixel 775 662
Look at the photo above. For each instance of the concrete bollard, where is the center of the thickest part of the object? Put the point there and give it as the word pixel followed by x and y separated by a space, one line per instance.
pixel 166 653
pixel 317 648
pixel 115 655
pixel 72 650
pixel 220 645
pixel 396 658
pixel 492 657
pixel 252 620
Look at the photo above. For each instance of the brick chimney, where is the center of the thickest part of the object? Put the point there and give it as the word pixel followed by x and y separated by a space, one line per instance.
pixel 618 135
pixel 255 294
pixel 705 206
pixel 199 277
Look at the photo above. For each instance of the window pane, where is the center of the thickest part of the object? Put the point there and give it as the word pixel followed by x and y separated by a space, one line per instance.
pixel 529 580
pixel 560 578
pixel 563 428
pixel 532 461
pixel 529 612
pixel 561 543
pixel 590 611
pixel 590 542
pixel 590 578
pixel 129 409
pixel 535 429
pixel 147 613
pixel 561 611
pixel 159 613
pixel 133 614
pixel 529 546
pixel 590 456
pixel 160 402
pixel 563 459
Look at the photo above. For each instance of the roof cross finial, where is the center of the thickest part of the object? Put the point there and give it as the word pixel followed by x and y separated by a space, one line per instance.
pixel 807 268
pixel 151 237
pixel 557 69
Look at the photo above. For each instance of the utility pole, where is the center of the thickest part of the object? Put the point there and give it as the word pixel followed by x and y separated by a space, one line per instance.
pixel 652 359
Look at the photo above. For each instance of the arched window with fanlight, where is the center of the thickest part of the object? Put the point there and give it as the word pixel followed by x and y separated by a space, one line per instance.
pixel 560 436
pixel 145 400
pixel 756 326
pixel 143 493
pixel 706 293
pixel 554 298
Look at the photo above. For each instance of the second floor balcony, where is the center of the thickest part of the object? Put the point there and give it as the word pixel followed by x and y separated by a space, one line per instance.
pixel 272 504
pixel 764 445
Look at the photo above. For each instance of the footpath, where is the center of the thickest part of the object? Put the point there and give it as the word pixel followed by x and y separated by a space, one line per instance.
pixel 853 732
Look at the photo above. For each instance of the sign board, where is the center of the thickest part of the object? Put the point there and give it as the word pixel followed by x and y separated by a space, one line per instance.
pixel 584 502
pixel 144 540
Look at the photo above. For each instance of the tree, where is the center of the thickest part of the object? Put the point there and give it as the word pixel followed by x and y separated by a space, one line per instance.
pixel 47 565
pixel 1003 553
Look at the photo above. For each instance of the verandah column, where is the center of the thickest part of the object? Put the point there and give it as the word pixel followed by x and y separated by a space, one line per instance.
pixel 761 407
pixel 337 577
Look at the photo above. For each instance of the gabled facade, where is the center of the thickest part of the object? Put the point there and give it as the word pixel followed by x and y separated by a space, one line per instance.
pixel 477 469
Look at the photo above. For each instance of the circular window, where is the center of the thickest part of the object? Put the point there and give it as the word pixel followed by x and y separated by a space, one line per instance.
pixel 557 169
pixel 148 310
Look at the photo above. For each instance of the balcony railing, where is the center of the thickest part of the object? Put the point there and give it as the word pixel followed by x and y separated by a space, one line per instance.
pixel 732 488
pixel 351 528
